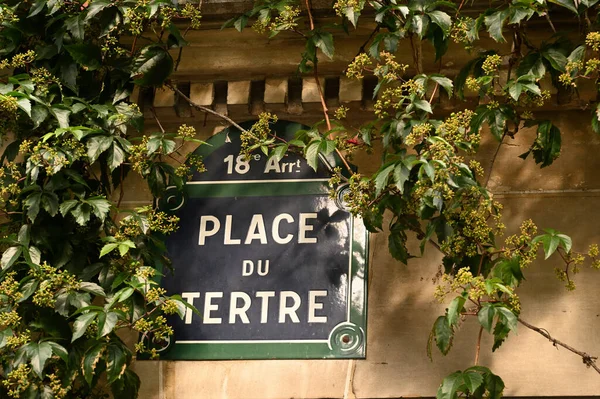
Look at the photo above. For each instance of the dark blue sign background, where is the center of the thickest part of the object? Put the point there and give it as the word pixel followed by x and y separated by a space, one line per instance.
pixel 215 267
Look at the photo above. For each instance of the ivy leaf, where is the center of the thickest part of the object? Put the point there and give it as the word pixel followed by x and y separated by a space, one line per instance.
pixel 397 245
pixel 279 151
pixel 401 175
pixel 442 20
pixel 66 206
pixel 39 113
pixel 456 306
pixel 494 385
pixel 127 386
pixel 508 316
pixel 381 180
pixel 97 145
pixel 324 41
pixel 547 145
pixel 59 351
pixel 10 256
pixel 568 4
pixel 116 362
pixel 443 334
pixel 501 331
pixel 473 380
pixel 81 324
pixel 95 7
pixel 100 206
pixel 90 361
pixel 39 355
pixel 495 22
pixel 61 115
pixel 93 288
pixel 25 105
pixel 555 58
pixel 106 323
pixel 444 82
pixel 32 203
pixel 82 213
pixel 108 248
pixel 152 66
pixel 423 105
pixel 450 385
pixel 86 54
pixel 486 316
pixel 312 154
pixel 4 335
pixel 76 26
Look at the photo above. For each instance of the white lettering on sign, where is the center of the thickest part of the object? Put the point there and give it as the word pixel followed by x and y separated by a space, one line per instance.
pixel 209 307
pixel 273 165
pixel 189 297
pixel 210 225
pixel 240 303
pixel 248 267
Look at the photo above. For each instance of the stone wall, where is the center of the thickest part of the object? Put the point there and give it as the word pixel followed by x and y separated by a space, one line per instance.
pixel 240 77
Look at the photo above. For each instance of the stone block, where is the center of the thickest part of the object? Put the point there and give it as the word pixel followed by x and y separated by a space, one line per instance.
pixel 202 93
pixel 134 97
pixel 164 98
pixel 310 91
pixel 276 91
pixel 350 90
pixel 238 92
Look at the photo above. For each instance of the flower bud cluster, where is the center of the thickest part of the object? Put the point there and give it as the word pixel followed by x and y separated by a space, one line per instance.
pixel 491 63
pixel 18 60
pixel 17 381
pixel 358 66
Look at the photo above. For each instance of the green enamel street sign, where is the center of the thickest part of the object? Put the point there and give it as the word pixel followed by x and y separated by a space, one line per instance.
pixel 276 267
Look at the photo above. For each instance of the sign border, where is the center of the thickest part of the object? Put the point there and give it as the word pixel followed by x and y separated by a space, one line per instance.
pixel 348 338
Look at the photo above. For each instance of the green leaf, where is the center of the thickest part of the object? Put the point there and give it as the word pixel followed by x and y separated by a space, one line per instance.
pixel 152 66
pixel 312 154
pixel 423 105
pixel 127 386
pixel 82 213
pixel 556 59
pixel 444 82
pixel 97 145
pixel 115 157
pixel 59 351
pixel 100 206
pixel 81 324
pixel 501 331
pixel 508 316
pixel 25 105
pixel 397 246
pixel 95 7
pixel 450 385
pixel 61 115
pixel 106 323
pixel 4 335
pixel 442 20
pixel 39 355
pixel 494 385
pixel 116 362
pixel 108 248
pixel 381 180
pixel 85 54
pixel 495 22
pixel 401 176
pixel 66 206
pixel 486 316
pixel 473 380
pixel 76 26
pixel 10 256
pixel 92 288
pixel 568 4
pixel 90 361
pixel 515 90
pixel 279 151
pixel 324 41
pixel 456 306
pixel 443 334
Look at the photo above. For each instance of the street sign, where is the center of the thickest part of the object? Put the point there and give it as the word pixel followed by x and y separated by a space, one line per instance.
pixel 276 268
